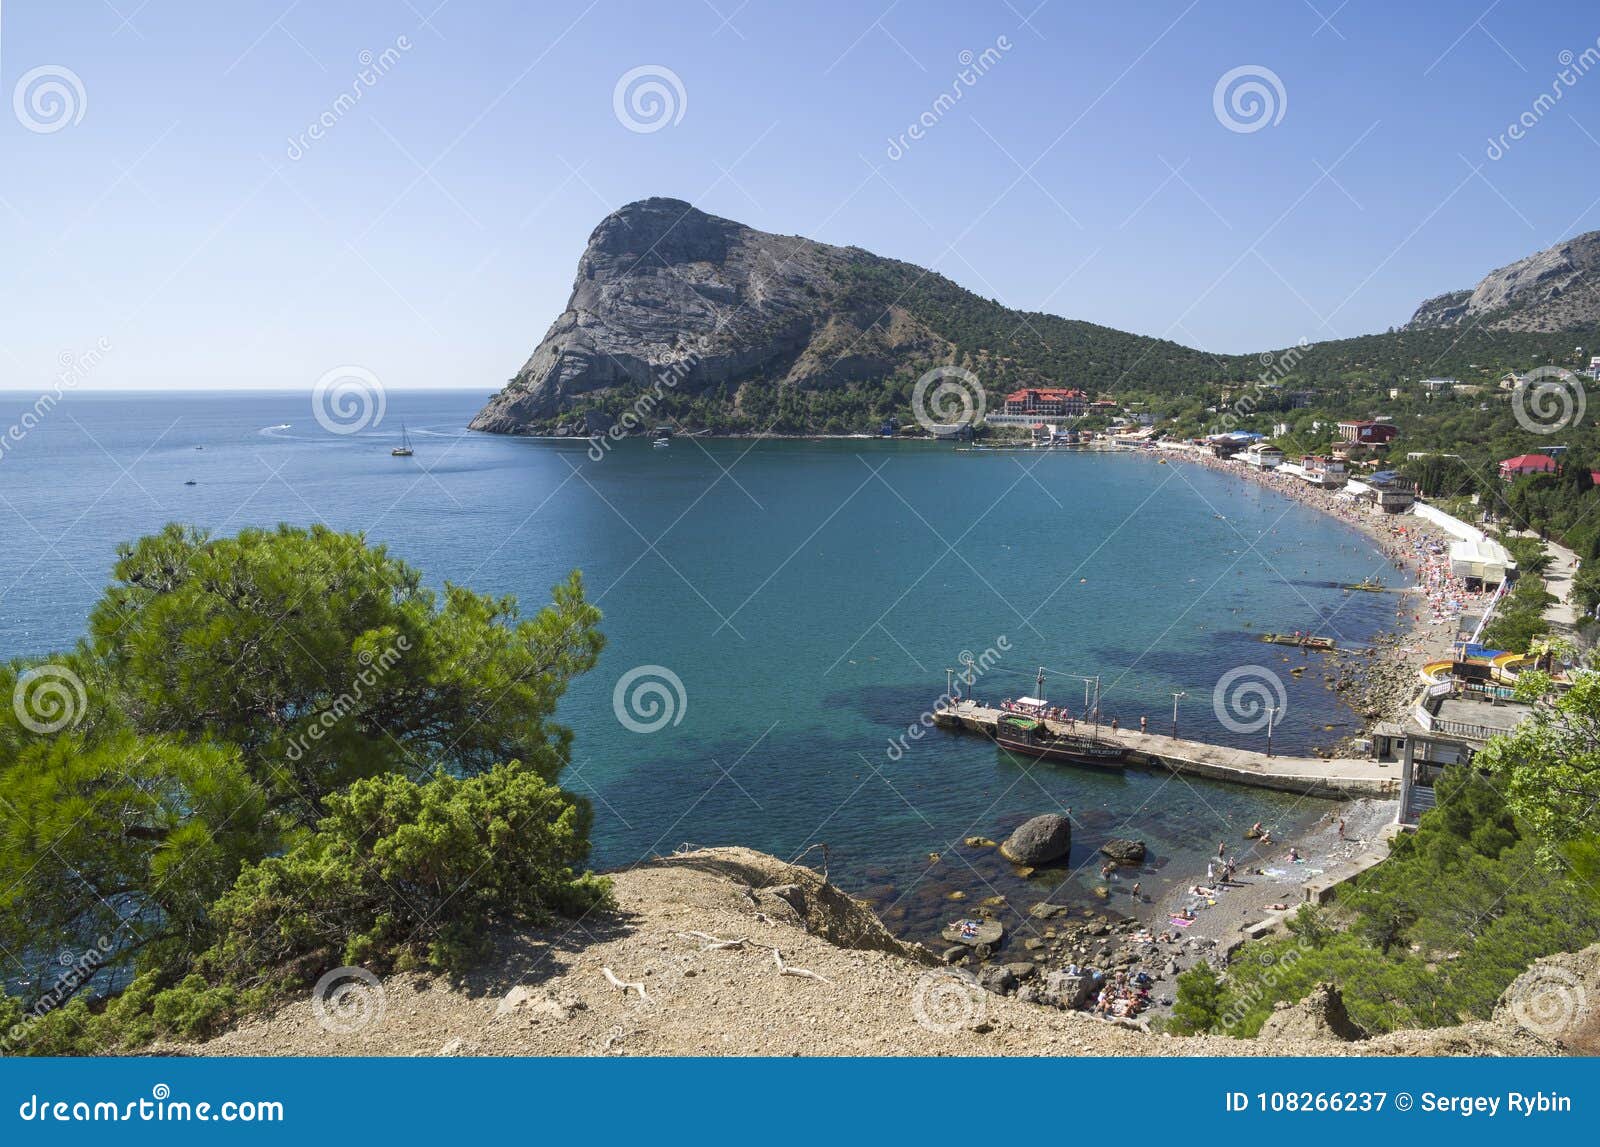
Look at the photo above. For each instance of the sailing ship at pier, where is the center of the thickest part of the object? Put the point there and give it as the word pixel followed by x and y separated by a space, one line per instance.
pixel 1032 727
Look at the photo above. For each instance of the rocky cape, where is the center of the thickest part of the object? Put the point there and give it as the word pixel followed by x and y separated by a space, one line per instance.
pixel 669 296
pixel 671 304
pixel 681 317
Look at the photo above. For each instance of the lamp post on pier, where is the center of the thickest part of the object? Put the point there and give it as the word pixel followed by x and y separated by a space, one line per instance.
pixel 1175 698
pixel 1272 712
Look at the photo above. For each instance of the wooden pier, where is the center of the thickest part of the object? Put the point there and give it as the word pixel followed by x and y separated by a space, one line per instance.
pixel 1338 779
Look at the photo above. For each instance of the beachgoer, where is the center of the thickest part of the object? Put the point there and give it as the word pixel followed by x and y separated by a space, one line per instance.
pixel 1211 871
pixel 1222 849
pixel 1341 829
pixel 1144 724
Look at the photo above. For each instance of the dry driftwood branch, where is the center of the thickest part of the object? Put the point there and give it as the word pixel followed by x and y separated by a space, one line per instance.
pixel 626 984
pixel 714 943
pixel 822 845
pixel 786 970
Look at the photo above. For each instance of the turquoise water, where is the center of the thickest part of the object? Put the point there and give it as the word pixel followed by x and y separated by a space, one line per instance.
pixel 807 595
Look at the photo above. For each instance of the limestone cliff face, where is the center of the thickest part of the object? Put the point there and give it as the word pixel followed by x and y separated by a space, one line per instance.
pixel 1556 289
pixel 669 296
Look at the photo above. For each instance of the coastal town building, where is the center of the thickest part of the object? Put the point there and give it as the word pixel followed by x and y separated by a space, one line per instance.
pixel 1368 432
pixel 1433 385
pixel 1034 403
pixel 1320 470
pixel 1528 464
pixel 1448 724
pixel 1385 492
pixel 1263 456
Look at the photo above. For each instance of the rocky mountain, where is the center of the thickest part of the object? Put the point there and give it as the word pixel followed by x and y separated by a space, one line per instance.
pixel 677 316
pixel 672 301
pixel 1554 290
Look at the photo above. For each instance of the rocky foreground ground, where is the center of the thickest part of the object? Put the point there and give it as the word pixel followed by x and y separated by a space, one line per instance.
pixel 732 952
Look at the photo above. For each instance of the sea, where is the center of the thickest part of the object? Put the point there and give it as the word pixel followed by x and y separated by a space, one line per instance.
pixel 780 615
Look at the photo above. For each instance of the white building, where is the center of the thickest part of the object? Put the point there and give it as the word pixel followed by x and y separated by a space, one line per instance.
pixel 1262 455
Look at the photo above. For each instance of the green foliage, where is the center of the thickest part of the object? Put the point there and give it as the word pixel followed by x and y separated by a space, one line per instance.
pixel 1437 932
pixel 279 747
pixel 325 660
pixel 1550 763
pixel 121 844
pixel 1199 1002
pixel 401 873
pixel 1519 619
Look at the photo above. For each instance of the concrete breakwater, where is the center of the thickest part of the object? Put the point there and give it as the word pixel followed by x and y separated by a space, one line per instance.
pixel 1335 779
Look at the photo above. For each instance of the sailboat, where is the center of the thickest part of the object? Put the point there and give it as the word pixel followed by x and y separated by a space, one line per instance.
pixel 404 449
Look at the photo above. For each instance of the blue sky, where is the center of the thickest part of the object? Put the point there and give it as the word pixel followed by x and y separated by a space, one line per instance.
pixel 431 234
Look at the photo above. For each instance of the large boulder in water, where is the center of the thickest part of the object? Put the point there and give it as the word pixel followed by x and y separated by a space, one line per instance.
pixel 1045 838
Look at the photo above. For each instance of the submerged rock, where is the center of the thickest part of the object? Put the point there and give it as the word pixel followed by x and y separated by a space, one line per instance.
pixel 1124 851
pixel 978 933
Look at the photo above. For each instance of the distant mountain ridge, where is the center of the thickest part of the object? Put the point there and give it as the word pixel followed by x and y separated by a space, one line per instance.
pixel 733 329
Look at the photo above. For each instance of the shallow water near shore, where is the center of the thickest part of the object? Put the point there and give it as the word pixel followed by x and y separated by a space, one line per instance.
pixel 807 595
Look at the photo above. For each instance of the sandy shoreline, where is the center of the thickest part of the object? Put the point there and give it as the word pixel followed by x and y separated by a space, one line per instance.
pixel 1379 683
